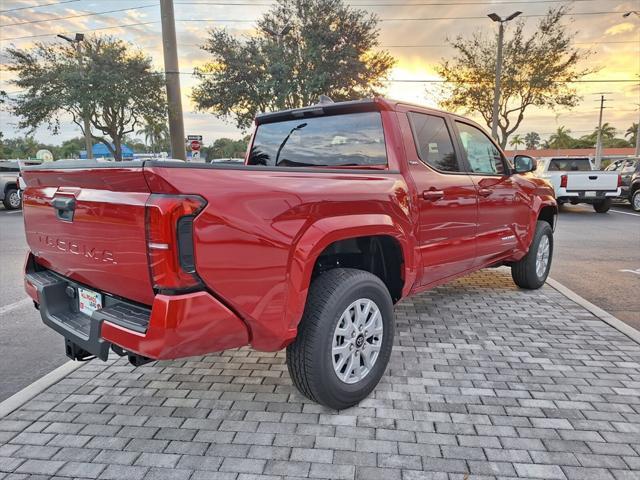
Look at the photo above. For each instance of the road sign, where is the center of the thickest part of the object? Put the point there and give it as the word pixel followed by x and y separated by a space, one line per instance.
pixel 195 155
pixel 194 137
pixel 195 145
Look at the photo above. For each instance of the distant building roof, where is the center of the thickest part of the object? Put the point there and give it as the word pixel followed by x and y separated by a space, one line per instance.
pixel 573 152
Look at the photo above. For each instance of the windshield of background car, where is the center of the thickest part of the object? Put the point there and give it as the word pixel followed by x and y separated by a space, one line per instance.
pixel 354 139
pixel 570 165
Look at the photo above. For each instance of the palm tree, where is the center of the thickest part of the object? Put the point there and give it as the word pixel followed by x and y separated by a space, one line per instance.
pixel 608 131
pixel 532 140
pixel 632 132
pixel 516 141
pixel 155 134
pixel 561 139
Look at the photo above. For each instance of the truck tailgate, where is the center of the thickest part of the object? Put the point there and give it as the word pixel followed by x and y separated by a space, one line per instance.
pixel 88 224
pixel 592 181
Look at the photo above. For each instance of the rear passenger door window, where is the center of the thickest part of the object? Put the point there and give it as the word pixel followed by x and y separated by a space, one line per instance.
pixel 433 142
pixel 482 155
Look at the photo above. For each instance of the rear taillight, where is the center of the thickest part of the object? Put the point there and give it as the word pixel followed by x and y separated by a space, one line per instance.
pixel 169 225
pixel 563 181
pixel 619 181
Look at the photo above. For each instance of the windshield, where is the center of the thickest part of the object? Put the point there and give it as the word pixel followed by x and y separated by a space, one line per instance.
pixel 354 139
pixel 570 165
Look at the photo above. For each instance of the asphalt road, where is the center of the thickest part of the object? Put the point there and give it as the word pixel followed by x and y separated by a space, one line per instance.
pixel 596 255
pixel 28 349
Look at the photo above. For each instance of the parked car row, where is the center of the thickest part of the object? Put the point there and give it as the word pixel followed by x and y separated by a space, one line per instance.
pixel 574 181
pixel 9 188
pixel 629 171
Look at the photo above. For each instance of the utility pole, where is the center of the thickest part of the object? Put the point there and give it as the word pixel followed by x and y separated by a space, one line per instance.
pixel 638 136
pixel 598 159
pixel 496 91
pixel 172 79
pixel 77 45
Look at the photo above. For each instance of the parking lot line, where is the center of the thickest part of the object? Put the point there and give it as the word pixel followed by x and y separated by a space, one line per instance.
pixel 14 305
pixel 625 213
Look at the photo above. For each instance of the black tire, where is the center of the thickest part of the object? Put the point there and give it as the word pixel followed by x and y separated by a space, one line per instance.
pixel 309 357
pixel 524 272
pixel 602 206
pixel 635 200
pixel 11 199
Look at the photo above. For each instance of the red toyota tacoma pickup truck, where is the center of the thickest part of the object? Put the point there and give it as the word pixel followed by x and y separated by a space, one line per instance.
pixel 341 210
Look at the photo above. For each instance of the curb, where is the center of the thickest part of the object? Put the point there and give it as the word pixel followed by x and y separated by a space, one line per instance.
pixel 23 396
pixel 606 317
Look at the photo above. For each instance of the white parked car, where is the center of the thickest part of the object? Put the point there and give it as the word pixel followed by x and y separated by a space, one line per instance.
pixel 574 181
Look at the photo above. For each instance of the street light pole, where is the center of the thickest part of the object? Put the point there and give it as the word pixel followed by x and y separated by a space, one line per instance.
pixel 637 152
pixel 496 91
pixel 172 80
pixel 598 159
pixel 77 45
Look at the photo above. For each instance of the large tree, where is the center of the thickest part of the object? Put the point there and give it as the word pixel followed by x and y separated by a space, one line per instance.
pixel 537 71
pixel 304 49
pixel 110 82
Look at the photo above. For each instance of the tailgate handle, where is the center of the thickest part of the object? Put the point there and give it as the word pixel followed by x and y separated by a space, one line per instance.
pixel 64 208
pixel 593 177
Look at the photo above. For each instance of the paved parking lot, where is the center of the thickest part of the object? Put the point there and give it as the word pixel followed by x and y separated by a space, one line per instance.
pixel 485 381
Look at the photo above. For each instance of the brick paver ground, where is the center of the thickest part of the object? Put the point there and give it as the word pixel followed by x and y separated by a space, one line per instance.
pixel 486 381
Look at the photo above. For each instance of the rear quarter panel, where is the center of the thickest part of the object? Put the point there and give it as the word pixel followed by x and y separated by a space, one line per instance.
pixel 258 238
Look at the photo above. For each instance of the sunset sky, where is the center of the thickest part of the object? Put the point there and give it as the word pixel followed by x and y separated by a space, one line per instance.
pixel 414 34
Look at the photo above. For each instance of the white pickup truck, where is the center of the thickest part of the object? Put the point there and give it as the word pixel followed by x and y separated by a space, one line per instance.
pixel 575 181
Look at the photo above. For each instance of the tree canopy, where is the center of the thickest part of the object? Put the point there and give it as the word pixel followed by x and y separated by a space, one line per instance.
pixel 328 48
pixel 562 138
pixel 226 148
pixel 537 71
pixel 109 81
pixel 532 140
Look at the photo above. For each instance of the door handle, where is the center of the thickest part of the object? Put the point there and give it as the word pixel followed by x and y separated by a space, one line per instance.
pixel 484 192
pixel 432 194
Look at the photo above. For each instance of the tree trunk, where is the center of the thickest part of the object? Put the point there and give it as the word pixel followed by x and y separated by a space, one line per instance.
pixel 117 145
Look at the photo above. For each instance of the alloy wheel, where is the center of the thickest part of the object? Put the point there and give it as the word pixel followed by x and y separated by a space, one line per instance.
pixel 357 340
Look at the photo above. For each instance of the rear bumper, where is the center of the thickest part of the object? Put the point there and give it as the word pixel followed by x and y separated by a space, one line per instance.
pixel 581 196
pixel 174 326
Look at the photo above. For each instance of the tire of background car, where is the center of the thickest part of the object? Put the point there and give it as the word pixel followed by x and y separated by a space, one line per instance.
pixel 602 206
pixel 531 271
pixel 635 200
pixel 11 199
pixel 332 342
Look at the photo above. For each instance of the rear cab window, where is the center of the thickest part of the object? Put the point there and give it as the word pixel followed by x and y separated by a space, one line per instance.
pixel 569 165
pixel 345 140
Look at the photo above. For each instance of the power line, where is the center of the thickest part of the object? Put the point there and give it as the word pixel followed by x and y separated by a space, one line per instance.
pixel 37 6
pixel 80 31
pixel 595 42
pixel 417 4
pixel 87 14
pixel 407 80
pixel 419 19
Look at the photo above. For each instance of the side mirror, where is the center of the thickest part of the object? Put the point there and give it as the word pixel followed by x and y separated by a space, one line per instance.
pixel 524 164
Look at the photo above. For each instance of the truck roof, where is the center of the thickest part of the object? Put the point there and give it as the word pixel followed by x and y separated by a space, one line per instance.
pixel 351 106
